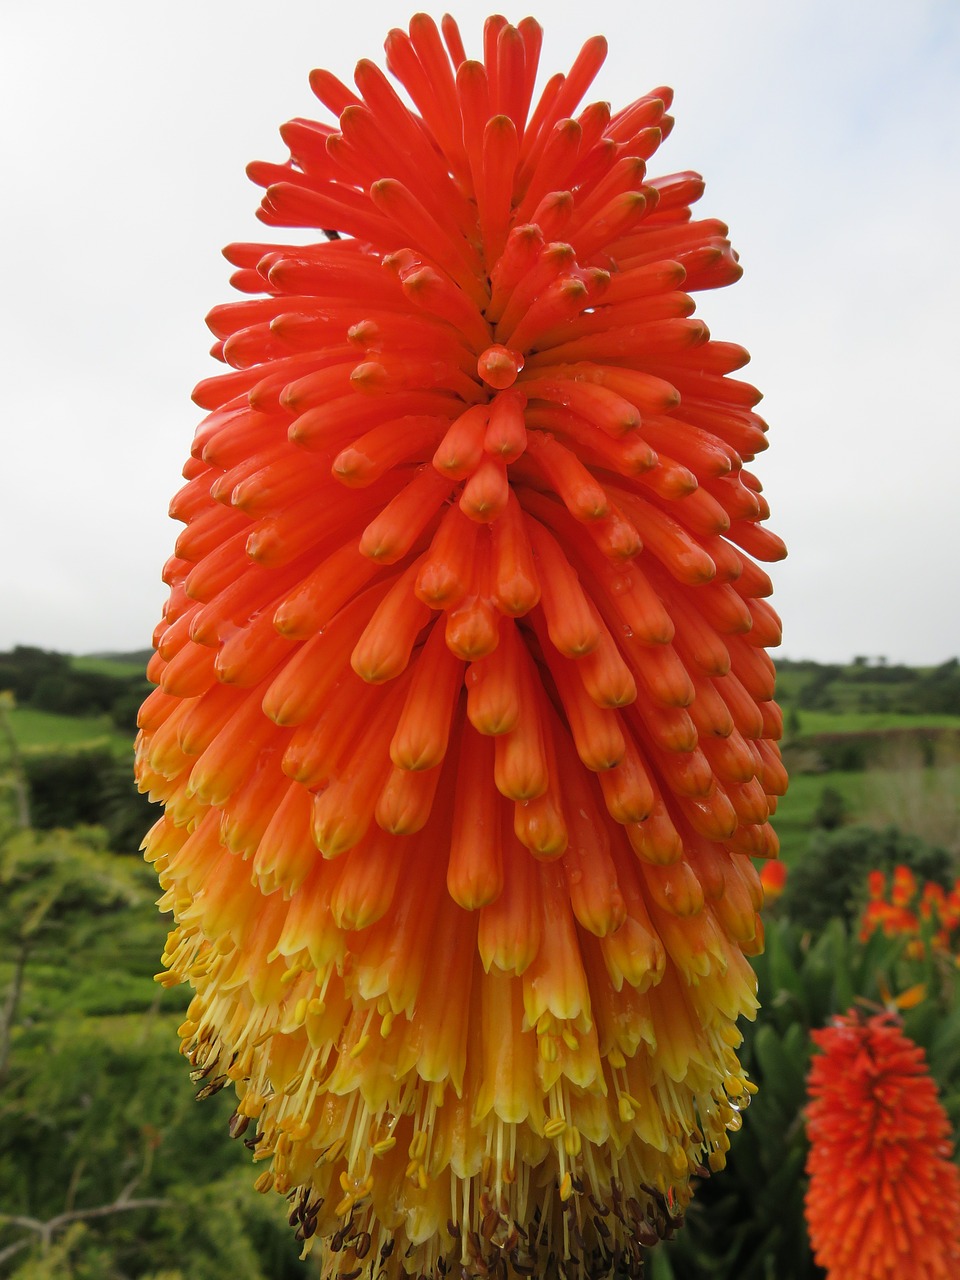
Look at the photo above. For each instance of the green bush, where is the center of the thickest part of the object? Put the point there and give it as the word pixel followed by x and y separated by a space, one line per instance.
pixel 75 788
pixel 96 1107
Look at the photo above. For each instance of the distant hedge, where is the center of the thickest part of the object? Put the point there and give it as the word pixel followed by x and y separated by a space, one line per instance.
pixel 49 681
pixel 80 788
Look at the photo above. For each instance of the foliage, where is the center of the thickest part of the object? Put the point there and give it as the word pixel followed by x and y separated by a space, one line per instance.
pixel 832 809
pixel 108 1168
pixel 68 788
pixel 54 682
pixel 939 690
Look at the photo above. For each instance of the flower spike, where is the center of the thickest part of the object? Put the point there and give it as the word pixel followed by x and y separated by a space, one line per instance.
pixel 464 728
pixel 884 1195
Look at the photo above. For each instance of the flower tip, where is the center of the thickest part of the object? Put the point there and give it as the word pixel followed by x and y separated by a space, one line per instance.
pixel 498 366
pixel 773 877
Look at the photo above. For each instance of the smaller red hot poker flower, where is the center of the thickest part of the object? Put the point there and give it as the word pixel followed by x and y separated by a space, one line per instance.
pixel 773 878
pixel 884 1195
pixel 910 912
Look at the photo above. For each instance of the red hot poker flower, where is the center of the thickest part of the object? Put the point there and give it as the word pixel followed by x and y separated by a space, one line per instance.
pixel 773 878
pixel 465 726
pixel 912 912
pixel 884 1196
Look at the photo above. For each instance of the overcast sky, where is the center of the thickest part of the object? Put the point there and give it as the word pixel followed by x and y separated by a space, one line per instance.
pixel 828 132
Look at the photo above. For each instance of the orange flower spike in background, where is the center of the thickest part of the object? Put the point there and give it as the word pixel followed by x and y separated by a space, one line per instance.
pixel 913 913
pixel 773 877
pixel 465 731
pixel 884 1195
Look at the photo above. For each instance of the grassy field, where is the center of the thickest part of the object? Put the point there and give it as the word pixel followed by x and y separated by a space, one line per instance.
pixel 920 801
pixel 813 722
pixel 109 666
pixel 794 819
pixel 46 731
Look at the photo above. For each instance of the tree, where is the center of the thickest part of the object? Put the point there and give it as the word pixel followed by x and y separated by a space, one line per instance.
pixel 831 811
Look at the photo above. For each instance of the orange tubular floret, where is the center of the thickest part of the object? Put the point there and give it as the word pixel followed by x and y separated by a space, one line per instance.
pixel 386 642
pixel 472 629
pixel 540 823
pixel 493 685
pixel 367 882
pixel 318 744
pixel 582 495
pixel 475 866
pixel 500 149
pixel 510 925
pixel 300 689
pixel 521 253
pixel 344 810
pixel 406 801
pixel 247 656
pixel 571 621
pixel 390 536
pixel 446 572
pixel 513 571
pixel 383 447
pixel 592 882
pixel 423 730
pixel 550 264
pixel 486 493
pixel 285 851
pixel 461 448
pixel 506 434
pixel 521 768
pixel 595 730
pixel 628 791
pixel 465 727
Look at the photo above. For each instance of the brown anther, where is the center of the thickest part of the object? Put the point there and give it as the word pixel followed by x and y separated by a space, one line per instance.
pixel 212 1088
pixel 237 1125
